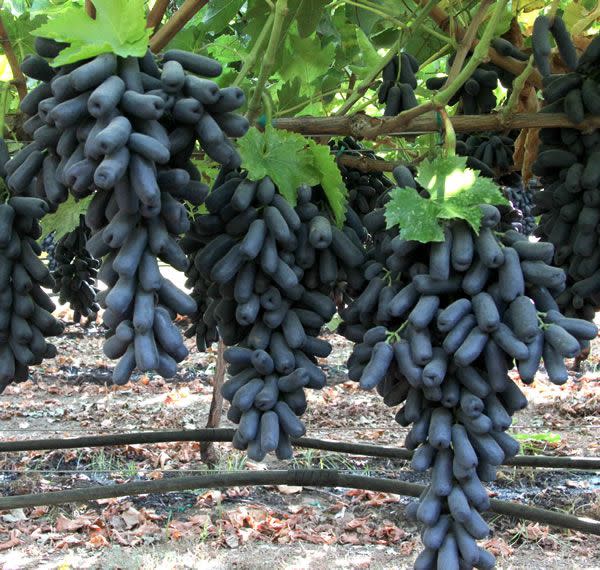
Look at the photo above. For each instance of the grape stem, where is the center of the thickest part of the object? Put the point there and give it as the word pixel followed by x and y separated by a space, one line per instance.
pixel 19 80
pixel 553 9
pixel 4 89
pixel 280 12
pixel 256 50
pixel 467 41
pixel 586 21
pixel 156 14
pixel 364 5
pixel 517 88
pixel 508 63
pixel 449 141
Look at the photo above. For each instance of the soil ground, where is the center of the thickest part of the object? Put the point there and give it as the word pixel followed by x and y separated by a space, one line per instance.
pixel 256 528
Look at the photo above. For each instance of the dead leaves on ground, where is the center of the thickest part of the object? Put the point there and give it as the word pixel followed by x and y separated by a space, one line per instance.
pixel 216 518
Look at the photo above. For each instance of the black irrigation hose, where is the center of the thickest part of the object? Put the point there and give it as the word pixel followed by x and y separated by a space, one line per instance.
pixel 302 477
pixel 142 437
pixel 226 434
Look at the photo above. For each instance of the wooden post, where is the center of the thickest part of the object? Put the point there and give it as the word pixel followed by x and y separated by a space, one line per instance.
pixel 207 448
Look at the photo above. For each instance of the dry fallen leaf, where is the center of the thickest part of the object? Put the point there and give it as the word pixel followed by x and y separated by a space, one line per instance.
pixel 64 524
pixel 15 515
pixel 289 489
pixel 132 517
pixel 11 542
pixel 98 541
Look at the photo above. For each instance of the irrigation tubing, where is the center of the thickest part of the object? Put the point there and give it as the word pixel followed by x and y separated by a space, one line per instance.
pixel 301 477
pixel 226 435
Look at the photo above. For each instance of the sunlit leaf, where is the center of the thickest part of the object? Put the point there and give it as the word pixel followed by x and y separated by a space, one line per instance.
pixel 456 194
pixel 6 73
pixel 119 28
pixel 66 218
pixel 291 160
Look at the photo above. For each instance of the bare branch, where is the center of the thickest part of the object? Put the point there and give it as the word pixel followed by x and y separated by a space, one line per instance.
pixel 19 79
pixel 176 23
pixel 363 126
pixel 508 63
pixel 156 14
pixel 467 41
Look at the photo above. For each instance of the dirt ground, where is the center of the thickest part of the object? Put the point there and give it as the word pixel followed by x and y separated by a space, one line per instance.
pixel 256 528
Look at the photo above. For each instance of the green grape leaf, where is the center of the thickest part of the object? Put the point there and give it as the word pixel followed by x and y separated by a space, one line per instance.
pixel 309 15
pixel 463 202
pixel 66 218
pixel 279 154
pixel 291 160
pixel 456 193
pixel 331 180
pixel 415 216
pixel 119 27
pixel 436 175
pixel 288 95
pixel 306 59
pixel 227 49
pixel 367 58
pixel 218 13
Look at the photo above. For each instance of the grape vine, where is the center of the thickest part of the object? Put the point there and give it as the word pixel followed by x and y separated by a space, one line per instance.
pixel 449 304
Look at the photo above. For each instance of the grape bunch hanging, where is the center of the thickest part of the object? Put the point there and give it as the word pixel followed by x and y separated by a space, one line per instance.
pixel 48 246
pixel 397 90
pixel 266 271
pixel 26 319
pixel 544 28
pixel 123 130
pixel 490 153
pixel 521 198
pixel 568 164
pixel 75 274
pixel 437 330
pixel 476 96
pixel 366 191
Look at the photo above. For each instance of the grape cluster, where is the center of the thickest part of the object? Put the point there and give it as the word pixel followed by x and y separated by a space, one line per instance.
pixel 75 274
pixel 397 90
pixel 506 49
pixel 366 191
pixel 545 27
pixel 490 153
pixel 266 271
pixel 568 165
pixel 25 309
pixel 521 199
pixel 48 245
pixel 124 130
pixel 476 96
pixel 437 330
